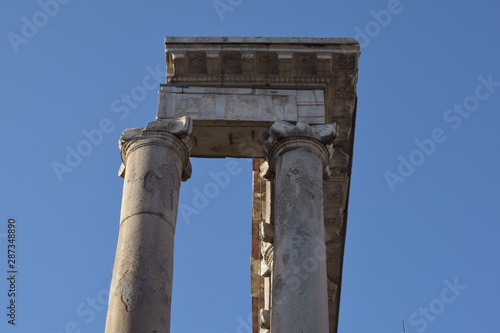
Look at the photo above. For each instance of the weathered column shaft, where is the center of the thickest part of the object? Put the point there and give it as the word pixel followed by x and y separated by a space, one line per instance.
pixel 298 157
pixel 141 288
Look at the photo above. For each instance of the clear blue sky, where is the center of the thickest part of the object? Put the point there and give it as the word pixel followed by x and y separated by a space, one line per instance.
pixel 424 224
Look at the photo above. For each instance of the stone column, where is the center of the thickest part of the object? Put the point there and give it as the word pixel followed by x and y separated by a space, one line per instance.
pixel 298 156
pixel 155 160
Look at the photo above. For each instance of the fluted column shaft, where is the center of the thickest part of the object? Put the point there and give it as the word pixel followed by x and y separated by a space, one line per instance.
pixel 298 156
pixel 156 160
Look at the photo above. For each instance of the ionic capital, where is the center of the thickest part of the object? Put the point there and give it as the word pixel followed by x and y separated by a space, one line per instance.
pixel 286 136
pixel 169 133
pixel 266 264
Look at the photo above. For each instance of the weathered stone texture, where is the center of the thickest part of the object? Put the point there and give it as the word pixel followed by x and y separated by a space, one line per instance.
pixel 141 289
pixel 235 89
